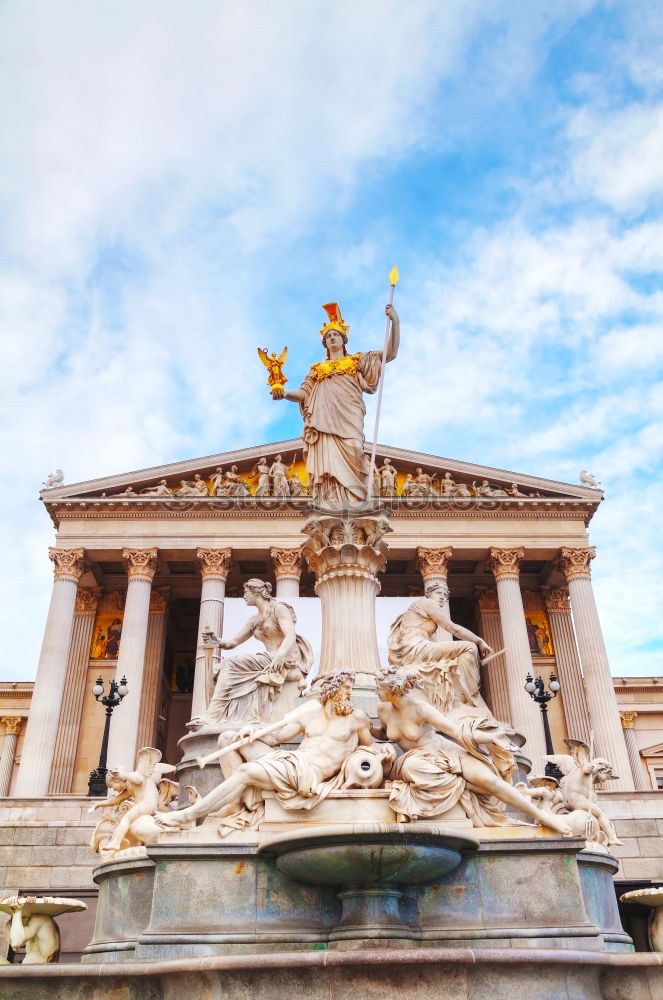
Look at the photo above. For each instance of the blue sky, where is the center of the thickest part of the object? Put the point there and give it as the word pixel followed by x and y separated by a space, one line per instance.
pixel 180 185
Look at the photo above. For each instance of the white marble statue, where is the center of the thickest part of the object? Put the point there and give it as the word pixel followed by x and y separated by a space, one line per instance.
pixel 576 789
pixel 451 670
pixel 247 684
pixel 195 488
pixel 230 484
pixel 450 488
pixel 434 773
pixel 160 490
pixel 331 729
pixel 387 478
pixel 31 925
pixel 136 797
pixel 279 477
pixel 54 479
pixel 262 472
pixel 423 484
pixel 332 405
pixel 543 790
pixel 587 479
pixel 486 490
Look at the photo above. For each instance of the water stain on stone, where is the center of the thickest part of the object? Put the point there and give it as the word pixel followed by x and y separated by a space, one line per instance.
pixel 240 868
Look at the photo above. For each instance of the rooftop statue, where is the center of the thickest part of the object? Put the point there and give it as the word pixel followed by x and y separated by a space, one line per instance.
pixel 332 405
pixel 54 479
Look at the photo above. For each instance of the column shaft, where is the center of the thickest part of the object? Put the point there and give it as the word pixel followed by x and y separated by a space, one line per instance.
pixel 41 733
pixel 154 649
pixel 525 715
pixel 601 698
pixel 64 758
pixel 8 756
pixel 567 663
pixel 493 675
pixel 639 779
pixel 123 741
pixel 215 566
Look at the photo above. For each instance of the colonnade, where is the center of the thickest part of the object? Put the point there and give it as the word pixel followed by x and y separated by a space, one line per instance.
pixel 49 746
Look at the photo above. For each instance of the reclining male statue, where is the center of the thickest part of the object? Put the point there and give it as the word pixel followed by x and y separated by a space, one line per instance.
pixel 331 730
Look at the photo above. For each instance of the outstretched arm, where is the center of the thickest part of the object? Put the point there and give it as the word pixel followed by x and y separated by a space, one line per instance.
pixel 395 334
pixel 438 616
pixel 244 633
pixel 294 395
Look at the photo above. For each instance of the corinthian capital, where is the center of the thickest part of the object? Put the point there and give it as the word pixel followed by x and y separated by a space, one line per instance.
pixel 87 600
pixel 287 563
pixel 574 563
pixel 556 598
pixel 141 563
pixel 214 563
pixel 69 563
pixel 486 598
pixel 628 718
pixel 433 562
pixel 13 724
pixel 505 563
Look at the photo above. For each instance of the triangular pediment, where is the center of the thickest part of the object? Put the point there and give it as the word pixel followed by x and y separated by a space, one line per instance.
pixel 415 472
pixel 655 751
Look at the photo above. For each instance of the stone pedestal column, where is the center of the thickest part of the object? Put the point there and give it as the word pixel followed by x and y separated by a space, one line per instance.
pixel 525 715
pixel 640 782
pixel 345 553
pixel 41 733
pixel 12 725
pixel 154 649
pixel 567 663
pixel 493 675
pixel 123 741
pixel 214 567
pixel 287 569
pixel 64 758
pixel 433 566
pixel 601 698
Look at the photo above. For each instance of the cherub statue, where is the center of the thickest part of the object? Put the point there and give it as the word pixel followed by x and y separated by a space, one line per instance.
pixel 275 377
pixel 145 790
pixel 54 479
pixel 581 773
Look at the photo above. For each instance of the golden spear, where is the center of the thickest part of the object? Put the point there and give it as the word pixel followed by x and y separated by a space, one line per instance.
pixel 393 280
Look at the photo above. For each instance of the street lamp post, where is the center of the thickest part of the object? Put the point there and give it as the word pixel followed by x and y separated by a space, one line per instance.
pixel 536 691
pixel 97 783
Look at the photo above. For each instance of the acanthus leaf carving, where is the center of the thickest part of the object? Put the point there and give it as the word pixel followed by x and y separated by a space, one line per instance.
pixel 159 600
pixel 433 562
pixel 70 564
pixel 486 598
pixel 575 562
pixel 557 599
pixel 214 563
pixel 505 563
pixel 87 600
pixel 13 724
pixel 141 563
pixel 533 601
pixel 287 563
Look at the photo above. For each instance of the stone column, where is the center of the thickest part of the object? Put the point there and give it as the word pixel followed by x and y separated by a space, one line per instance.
pixel 64 758
pixel 41 733
pixel 525 715
pixel 567 663
pixel 639 780
pixel 601 698
pixel 494 673
pixel 154 649
pixel 287 569
pixel 214 567
pixel 345 554
pixel 433 566
pixel 141 567
pixel 13 725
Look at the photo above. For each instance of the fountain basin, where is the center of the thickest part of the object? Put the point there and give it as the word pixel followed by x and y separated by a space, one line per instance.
pixel 369 863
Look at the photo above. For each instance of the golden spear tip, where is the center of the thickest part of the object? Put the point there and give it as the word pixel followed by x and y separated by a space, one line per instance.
pixel 393 276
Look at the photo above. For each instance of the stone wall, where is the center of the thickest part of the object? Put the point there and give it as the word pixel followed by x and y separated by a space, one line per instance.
pixel 638 818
